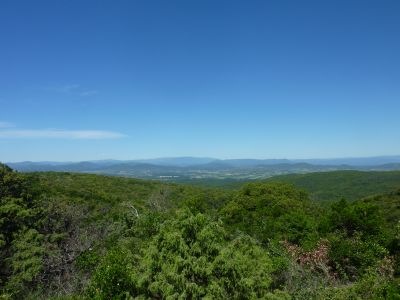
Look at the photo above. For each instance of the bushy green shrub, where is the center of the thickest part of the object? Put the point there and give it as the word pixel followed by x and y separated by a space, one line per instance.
pixel 376 283
pixel 352 256
pixel 21 249
pixel 26 262
pixel 88 259
pixel 360 218
pixel 114 277
pixel 190 258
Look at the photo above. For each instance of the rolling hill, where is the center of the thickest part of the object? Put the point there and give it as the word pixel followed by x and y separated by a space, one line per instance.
pixel 351 185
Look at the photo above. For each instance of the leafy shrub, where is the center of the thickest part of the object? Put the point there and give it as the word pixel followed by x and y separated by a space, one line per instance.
pixel 376 283
pixel 88 259
pixel 352 256
pixel 356 218
pixel 114 277
pixel 189 258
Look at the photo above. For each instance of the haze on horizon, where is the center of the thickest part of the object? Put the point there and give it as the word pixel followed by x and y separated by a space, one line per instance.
pixel 84 80
pixel 362 160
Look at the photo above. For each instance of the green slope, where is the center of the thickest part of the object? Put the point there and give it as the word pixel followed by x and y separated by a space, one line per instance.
pixel 101 192
pixel 389 204
pixel 351 185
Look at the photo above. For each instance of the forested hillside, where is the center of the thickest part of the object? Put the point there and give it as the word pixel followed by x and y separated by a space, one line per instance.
pixel 80 236
pixel 351 185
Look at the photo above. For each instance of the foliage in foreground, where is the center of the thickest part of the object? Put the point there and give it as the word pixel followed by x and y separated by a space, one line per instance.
pixel 75 236
pixel 188 258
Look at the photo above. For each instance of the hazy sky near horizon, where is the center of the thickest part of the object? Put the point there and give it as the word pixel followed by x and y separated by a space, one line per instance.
pixel 93 79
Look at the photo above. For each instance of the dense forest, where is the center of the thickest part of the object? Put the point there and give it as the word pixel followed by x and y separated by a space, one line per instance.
pixel 83 236
pixel 351 185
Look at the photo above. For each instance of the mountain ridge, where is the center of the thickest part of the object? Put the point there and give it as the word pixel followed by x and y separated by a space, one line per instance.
pixel 187 168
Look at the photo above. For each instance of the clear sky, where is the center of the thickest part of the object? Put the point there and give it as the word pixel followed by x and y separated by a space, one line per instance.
pixel 228 79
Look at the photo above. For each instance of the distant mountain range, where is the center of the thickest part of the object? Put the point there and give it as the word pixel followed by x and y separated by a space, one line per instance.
pixel 178 168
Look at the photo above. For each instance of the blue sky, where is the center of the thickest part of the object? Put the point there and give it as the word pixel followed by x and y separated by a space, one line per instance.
pixel 86 80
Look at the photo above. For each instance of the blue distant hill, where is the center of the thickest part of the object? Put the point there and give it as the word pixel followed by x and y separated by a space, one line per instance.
pixel 205 167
